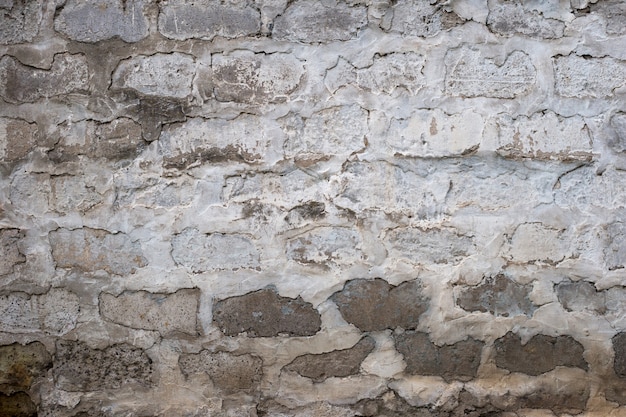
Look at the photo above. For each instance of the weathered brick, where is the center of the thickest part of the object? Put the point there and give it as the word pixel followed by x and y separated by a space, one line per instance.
pixel 91 250
pixel 374 305
pixel 614 14
pixel 229 372
pixel 183 19
pixel 246 138
pixel 543 136
pixel 167 313
pixel 264 313
pixel 54 312
pixel 497 295
pixel 19 21
pixel 512 18
pixel 313 21
pixel 583 77
pixel 98 20
pixel 161 74
pixel 17 139
pixel 427 246
pixel 326 246
pixel 10 254
pixel 539 355
pixel 586 188
pixel 338 131
pixel 420 18
pixel 77 367
pixel 17 405
pixel 246 77
pixel 534 242
pixel 470 74
pixel 202 252
pixel 20 83
pixel 458 361
pixel 338 363
pixel 21 366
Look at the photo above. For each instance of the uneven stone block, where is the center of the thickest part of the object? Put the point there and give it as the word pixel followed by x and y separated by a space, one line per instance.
pixel 497 295
pixel 246 138
pixel 427 246
pixel 161 74
pixel 569 398
pixel 142 191
pixel 72 194
pixel 202 252
pixel 470 74
pixel 619 347
pixel 534 242
pixel 229 372
pixel 614 14
pixel 338 363
pixel 98 20
pixel 326 246
pixel 184 19
pixel 618 123
pixel 19 20
pixel 245 77
pixel 20 83
pixel 374 305
pixel 338 131
pixel 544 136
pixel 615 246
pixel 539 355
pixel 77 367
pixel 30 192
pixel 10 254
pixel 272 408
pixel 512 18
pixel 393 71
pixel 587 189
pixel 421 18
pixel 264 313
pixel 166 313
pixel 580 295
pixel 54 312
pixel 433 133
pixel 572 75
pixel 458 361
pixel 313 21
pixel 153 112
pixel 21 365
pixel 17 405
pixel 17 139
pixel 94 249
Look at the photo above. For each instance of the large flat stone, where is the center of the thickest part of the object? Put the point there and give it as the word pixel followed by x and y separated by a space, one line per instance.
pixel 229 372
pixel 19 21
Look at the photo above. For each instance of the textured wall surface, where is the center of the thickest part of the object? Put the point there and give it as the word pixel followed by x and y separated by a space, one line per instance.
pixel 312 208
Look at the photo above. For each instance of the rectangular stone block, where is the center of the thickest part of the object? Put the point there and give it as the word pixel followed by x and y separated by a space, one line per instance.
pixel 583 77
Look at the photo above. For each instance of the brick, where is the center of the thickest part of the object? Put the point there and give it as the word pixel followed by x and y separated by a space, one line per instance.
pixel 499 296
pixel 17 139
pixel 512 18
pixel 264 313
pixel 22 365
pixel 19 21
pixel 583 77
pixel 91 250
pixel 338 363
pixel 374 305
pixel 246 77
pixel 98 20
pixel 430 246
pixel 20 83
pixel 202 252
pixel 470 74
pixel 326 246
pixel 229 372
pixel 458 361
pixel 539 355
pixel 534 242
pixel 167 313
pixel 161 74
pixel 10 253
pixel 419 18
pixel 205 20
pixel 78 367
pixel 317 22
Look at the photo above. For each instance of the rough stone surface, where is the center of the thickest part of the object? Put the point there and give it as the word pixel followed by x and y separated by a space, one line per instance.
pixel 264 313
pixel 426 246
pixel 19 83
pixel 615 249
pixel 204 252
pixel 325 246
pixel 373 305
pixel 580 295
pixel 339 363
pixel 470 74
pixel 17 405
pixel 393 71
pixel 573 80
pixel 70 193
pixel 17 139
pixel 94 249
pixel 22 365
pixel 183 20
pixel 77 367
pixel 19 21
pixel 510 18
pixel 9 249
pixel 499 295
pixel 614 14
pixel 165 313
pixel 534 242
pixel 229 372
pixel 98 20
pixel 618 124
pixel 539 355
pixel 458 361
pixel 619 347
pixel 419 18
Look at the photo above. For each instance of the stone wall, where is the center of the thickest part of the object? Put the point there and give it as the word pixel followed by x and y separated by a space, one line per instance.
pixel 312 208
